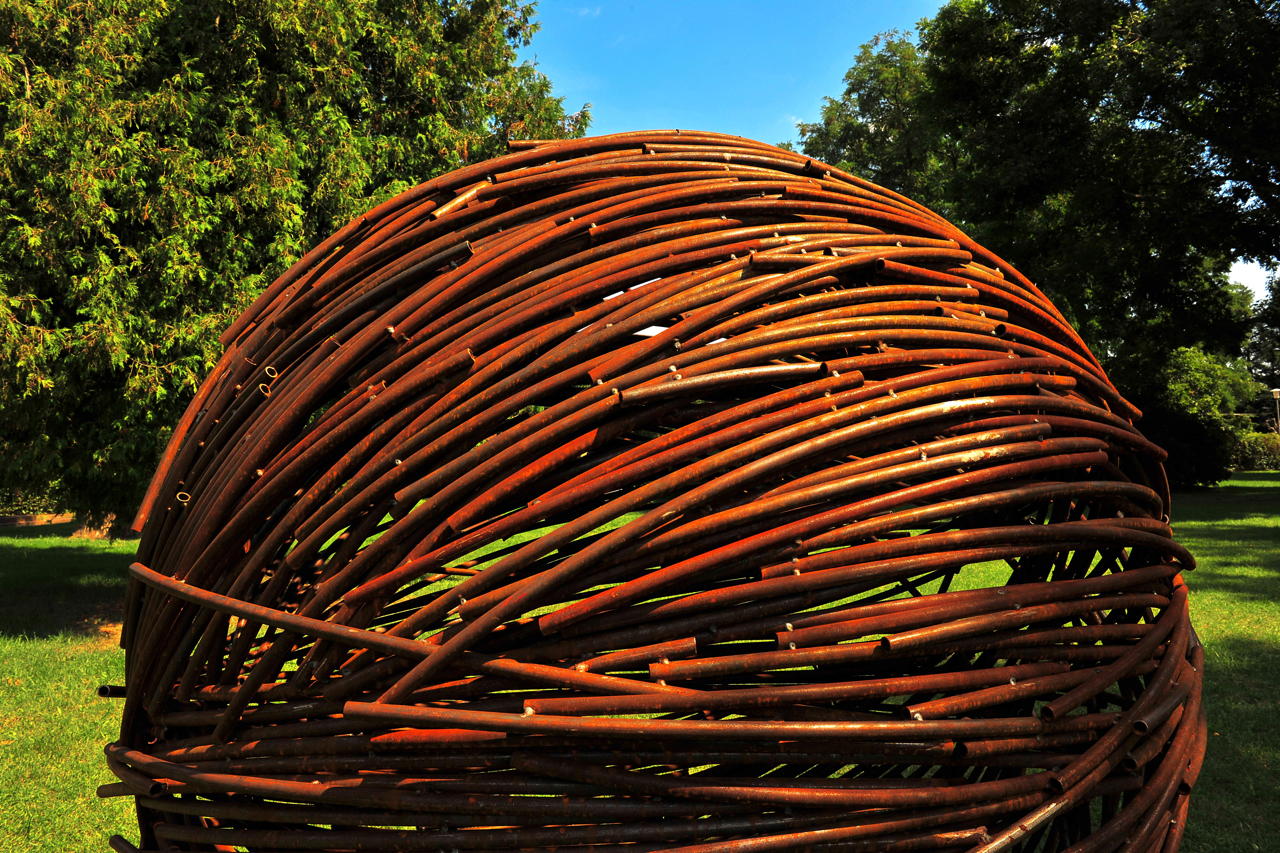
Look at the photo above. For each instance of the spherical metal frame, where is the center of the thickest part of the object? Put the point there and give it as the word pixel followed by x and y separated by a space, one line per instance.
pixel 657 491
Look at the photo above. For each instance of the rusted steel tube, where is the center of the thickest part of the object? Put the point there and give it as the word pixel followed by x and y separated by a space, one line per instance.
pixel 773 696
pixel 728 500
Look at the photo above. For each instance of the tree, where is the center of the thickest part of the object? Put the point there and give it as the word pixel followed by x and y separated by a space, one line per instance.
pixel 878 128
pixel 1082 141
pixel 1263 352
pixel 1200 409
pixel 164 159
pixel 1206 69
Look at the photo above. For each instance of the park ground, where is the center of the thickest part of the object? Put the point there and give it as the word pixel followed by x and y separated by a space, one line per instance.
pixel 60 609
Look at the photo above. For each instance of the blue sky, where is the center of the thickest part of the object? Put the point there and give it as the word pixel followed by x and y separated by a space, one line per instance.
pixel 752 67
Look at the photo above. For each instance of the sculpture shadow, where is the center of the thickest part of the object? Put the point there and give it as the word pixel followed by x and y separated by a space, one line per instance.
pixel 54 586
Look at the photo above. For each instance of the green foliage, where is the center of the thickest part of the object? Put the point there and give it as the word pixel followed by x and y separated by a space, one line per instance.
pixel 1077 170
pixel 1120 154
pixel 163 161
pixel 1263 348
pixel 1205 386
pixel 14 502
pixel 1206 70
pixel 1197 416
pixel 877 128
pixel 1258 451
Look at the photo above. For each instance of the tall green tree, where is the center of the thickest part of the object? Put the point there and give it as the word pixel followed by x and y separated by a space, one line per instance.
pixel 879 128
pixel 1263 352
pixel 1202 411
pixel 1120 153
pixel 162 160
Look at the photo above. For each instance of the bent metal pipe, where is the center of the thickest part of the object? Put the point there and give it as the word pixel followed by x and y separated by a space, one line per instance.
pixel 657 491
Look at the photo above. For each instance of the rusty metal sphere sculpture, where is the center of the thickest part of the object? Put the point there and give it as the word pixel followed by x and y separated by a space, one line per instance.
pixel 657 491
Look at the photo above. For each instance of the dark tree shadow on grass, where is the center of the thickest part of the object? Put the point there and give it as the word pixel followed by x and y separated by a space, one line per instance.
pixel 1248 569
pixel 59 589
pixel 1237 524
pixel 1234 500
pixel 1233 807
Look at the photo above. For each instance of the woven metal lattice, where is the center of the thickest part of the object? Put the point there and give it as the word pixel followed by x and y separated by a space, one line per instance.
pixel 657 491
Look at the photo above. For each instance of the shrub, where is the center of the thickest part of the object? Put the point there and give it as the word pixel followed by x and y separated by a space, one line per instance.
pixel 16 502
pixel 1258 451
pixel 1189 412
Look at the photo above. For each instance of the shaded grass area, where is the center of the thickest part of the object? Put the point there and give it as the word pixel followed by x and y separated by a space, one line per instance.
pixel 57 644
pixel 1234 531
pixel 58 641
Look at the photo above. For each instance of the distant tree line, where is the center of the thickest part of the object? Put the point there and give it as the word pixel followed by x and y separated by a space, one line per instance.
pixel 163 160
pixel 1123 155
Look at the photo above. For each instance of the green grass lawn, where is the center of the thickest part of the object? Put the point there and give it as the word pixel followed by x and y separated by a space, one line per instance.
pixel 1234 531
pixel 62 600
pixel 60 606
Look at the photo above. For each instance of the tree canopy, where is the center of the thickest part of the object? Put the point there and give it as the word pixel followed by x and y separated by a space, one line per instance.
pixel 1119 153
pixel 164 159
pixel 1263 349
